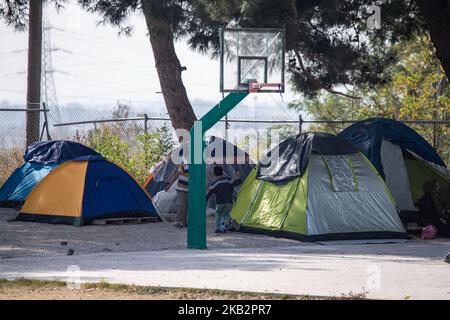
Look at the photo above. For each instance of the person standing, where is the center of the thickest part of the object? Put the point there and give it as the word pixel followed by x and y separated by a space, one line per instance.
pixel 223 188
pixel 182 187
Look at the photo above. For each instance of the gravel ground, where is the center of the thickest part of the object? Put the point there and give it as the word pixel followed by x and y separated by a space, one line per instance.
pixel 19 239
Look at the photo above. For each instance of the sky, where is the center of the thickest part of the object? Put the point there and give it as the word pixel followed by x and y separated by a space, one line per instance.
pixel 95 67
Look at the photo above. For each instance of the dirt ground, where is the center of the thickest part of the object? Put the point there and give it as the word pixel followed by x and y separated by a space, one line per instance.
pixel 149 261
pixel 20 239
pixel 23 289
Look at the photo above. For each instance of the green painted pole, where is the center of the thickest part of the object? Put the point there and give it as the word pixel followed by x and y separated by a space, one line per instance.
pixel 196 237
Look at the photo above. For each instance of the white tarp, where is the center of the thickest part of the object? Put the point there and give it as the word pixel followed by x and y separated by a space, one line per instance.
pixel 166 204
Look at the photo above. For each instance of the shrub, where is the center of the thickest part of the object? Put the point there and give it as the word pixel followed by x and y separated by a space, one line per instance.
pixel 138 153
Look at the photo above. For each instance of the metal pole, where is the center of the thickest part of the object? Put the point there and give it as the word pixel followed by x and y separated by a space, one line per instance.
pixel 145 137
pixel 45 125
pixel 145 123
pixel 300 123
pixel 46 122
pixel 226 127
pixel 257 144
pixel 42 132
pixel 196 235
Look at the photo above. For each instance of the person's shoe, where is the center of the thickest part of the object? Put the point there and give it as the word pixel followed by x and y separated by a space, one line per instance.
pixel 217 231
pixel 447 258
pixel 179 225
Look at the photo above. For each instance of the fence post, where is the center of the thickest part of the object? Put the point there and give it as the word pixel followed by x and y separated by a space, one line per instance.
pixel 145 123
pixel 226 127
pixel 45 126
pixel 145 139
pixel 300 123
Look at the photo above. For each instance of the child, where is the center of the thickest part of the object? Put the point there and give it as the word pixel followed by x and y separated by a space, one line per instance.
pixel 223 187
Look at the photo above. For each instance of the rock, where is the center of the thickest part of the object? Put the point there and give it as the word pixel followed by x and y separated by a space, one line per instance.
pixel 70 252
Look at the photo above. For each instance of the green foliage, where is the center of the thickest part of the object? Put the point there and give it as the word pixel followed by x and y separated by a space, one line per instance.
pixel 127 144
pixel 15 13
pixel 110 145
pixel 329 44
pixel 137 156
pixel 153 147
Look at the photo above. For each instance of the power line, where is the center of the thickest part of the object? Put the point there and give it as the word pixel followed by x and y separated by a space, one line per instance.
pixel 14 52
pixel 131 49
pixel 13 74
pixel 98 98
pixel 113 64
pixel 114 89
pixel 114 84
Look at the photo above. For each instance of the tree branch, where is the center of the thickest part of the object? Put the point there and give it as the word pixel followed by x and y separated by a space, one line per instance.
pixel 341 94
pixel 316 82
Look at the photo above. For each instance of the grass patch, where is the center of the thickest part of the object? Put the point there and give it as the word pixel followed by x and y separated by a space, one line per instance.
pixel 187 292
pixel 31 283
pixel 123 290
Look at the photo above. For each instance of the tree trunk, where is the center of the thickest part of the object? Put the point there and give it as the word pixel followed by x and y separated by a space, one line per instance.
pixel 436 14
pixel 168 66
pixel 34 70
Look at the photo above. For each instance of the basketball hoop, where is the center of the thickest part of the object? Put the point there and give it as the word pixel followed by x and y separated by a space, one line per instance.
pixel 254 87
pixel 252 60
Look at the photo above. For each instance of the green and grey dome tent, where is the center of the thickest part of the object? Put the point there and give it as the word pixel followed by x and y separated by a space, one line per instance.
pixel 315 186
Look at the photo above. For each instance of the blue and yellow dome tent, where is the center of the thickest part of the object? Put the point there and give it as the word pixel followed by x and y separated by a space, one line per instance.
pixel 40 159
pixel 84 189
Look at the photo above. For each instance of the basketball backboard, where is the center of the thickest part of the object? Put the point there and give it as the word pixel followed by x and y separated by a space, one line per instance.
pixel 252 60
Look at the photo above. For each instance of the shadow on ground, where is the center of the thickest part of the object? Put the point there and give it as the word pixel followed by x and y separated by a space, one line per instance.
pixel 18 239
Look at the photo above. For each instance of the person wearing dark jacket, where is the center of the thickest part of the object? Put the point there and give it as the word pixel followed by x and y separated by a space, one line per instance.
pixel 223 188
pixel 431 209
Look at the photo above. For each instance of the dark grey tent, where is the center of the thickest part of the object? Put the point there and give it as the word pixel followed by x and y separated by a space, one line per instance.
pixel 218 151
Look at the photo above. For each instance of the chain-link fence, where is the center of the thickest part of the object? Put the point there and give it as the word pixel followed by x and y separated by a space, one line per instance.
pixel 13 122
pixel 139 140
